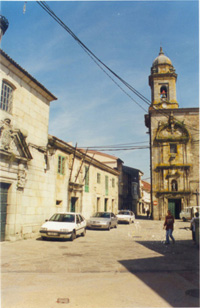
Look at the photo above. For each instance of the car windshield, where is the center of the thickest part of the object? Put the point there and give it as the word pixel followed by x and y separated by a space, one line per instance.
pixel 102 214
pixel 63 218
pixel 124 213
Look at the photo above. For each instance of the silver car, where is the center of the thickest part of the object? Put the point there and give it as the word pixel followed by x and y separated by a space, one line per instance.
pixel 102 220
pixel 126 216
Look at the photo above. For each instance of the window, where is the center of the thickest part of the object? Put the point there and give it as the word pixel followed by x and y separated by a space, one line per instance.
pixel 163 92
pixel 98 178
pixel 61 164
pixel 86 179
pixel 113 183
pixel 173 148
pixel 59 202
pixel 6 97
pixel 80 218
pixel 106 184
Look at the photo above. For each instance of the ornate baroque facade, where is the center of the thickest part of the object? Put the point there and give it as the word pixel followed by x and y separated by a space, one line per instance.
pixel 174 144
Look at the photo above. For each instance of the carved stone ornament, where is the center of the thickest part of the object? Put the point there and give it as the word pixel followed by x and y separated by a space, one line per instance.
pixel 5 134
pixel 21 179
pixel 172 131
pixel 12 141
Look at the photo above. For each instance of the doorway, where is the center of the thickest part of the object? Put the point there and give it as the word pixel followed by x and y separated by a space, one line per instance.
pixel 174 205
pixel 105 205
pixel 3 201
pixel 73 204
pixel 98 204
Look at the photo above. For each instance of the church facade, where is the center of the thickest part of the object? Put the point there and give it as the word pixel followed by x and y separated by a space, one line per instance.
pixel 174 144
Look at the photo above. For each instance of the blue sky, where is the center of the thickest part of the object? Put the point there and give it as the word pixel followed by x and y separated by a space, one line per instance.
pixel 126 35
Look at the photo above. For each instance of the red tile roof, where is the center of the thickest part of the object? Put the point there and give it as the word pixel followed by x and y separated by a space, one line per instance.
pixel 146 186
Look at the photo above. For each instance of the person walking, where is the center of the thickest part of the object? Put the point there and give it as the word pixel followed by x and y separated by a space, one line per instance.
pixel 169 227
pixel 192 227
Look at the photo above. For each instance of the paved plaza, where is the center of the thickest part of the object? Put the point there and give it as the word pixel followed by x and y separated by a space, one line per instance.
pixel 121 268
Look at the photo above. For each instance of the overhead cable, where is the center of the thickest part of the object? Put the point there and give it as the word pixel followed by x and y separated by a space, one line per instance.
pixel 44 5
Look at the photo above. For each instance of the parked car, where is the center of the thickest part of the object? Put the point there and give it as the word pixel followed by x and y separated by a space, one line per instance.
pixel 102 220
pixel 64 225
pixel 188 212
pixel 126 216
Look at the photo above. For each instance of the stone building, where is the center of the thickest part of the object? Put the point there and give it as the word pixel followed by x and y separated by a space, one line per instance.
pixel 82 183
pixel 26 192
pixel 174 143
pixel 41 174
pixel 112 162
pixel 129 181
pixel 131 189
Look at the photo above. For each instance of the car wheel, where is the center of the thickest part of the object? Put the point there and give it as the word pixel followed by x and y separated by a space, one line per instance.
pixel 109 226
pixel 184 219
pixel 43 238
pixel 73 236
pixel 116 226
pixel 84 232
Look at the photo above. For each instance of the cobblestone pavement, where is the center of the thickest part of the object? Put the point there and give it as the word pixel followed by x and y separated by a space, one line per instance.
pixel 121 268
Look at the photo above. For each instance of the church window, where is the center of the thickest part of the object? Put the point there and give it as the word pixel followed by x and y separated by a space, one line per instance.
pixel 174 185
pixel 173 148
pixel 163 92
pixel 6 96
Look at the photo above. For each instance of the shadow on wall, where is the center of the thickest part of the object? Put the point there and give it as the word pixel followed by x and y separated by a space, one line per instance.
pixel 173 275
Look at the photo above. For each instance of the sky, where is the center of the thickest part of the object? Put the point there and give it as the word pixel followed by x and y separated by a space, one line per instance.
pixel 91 109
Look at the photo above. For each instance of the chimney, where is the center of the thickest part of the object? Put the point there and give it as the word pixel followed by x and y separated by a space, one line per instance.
pixel 3 26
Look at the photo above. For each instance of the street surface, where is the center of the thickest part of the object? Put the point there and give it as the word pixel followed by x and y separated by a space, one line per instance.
pixel 121 268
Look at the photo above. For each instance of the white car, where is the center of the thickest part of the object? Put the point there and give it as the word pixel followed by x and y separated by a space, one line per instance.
pixel 102 220
pixel 126 216
pixel 64 225
pixel 189 212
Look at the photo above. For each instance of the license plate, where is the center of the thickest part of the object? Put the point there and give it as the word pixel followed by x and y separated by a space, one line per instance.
pixel 52 233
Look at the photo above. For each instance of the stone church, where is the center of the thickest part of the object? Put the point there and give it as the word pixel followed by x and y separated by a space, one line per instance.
pixel 174 144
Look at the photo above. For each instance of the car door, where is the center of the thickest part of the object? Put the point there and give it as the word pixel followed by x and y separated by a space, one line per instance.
pixel 81 223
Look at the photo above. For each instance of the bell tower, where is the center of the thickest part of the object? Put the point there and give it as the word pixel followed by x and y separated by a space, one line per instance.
pixel 163 83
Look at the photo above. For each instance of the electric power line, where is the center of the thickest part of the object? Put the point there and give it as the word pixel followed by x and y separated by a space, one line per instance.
pixel 99 63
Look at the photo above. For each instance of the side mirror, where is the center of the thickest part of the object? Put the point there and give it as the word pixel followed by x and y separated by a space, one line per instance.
pixel 46 220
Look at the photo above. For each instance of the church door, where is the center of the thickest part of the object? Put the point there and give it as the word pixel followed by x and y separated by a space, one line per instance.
pixel 174 205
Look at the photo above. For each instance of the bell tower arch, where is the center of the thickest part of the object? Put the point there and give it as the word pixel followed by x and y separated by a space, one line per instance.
pixel 163 83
